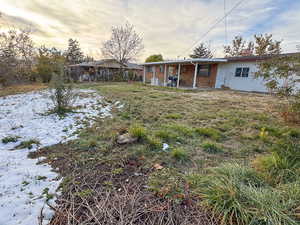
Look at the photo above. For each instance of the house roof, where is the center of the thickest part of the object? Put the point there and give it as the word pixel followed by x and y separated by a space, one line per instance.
pixel 186 61
pixel 108 63
pixel 219 60
pixel 257 58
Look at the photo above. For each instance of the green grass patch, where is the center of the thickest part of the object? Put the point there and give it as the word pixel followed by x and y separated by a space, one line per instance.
pixel 10 139
pixel 211 148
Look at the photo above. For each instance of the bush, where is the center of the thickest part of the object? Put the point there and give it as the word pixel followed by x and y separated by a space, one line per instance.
pixel 240 196
pixel 179 154
pixel 62 94
pixel 209 133
pixel 211 148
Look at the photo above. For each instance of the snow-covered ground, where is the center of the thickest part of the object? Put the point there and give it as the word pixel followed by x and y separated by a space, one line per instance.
pixel 23 183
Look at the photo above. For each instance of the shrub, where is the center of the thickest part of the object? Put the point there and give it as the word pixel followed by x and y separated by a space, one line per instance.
pixel 138 132
pixel 211 148
pixel 10 139
pixel 240 196
pixel 62 94
pixel 208 132
pixel 180 154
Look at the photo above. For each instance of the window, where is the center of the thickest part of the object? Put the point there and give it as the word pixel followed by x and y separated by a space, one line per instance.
pixel 161 68
pixel 242 72
pixel 204 70
pixel 149 69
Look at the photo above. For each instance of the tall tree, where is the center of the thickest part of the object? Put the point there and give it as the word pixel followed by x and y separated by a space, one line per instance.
pixel 265 45
pixel 124 45
pixel 154 58
pixel 74 54
pixel 202 51
pixel 239 47
pixel 16 55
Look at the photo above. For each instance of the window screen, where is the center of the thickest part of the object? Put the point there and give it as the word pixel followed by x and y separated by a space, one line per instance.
pixel 204 70
pixel 238 72
pixel 245 72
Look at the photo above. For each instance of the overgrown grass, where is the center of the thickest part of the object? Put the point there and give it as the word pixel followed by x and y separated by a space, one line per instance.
pixel 203 130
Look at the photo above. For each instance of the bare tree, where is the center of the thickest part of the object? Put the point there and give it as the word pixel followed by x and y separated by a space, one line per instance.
pixel 124 45
pixel 16 55
pixel 202 51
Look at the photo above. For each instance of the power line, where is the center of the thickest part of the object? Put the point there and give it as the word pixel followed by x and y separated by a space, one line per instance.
pixel 225 21
pixel 214 25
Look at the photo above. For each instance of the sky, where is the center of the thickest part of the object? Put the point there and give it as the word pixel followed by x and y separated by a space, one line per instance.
pixel 168 27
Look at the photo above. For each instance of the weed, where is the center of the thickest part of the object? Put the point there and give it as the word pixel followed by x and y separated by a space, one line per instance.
pixel 179 154
pixel 209 133
pixel 28 144
pixel 41 178
pixel 173 116
pixel 117 171
pixel 10 139
pixel 154 143
pixel 181 129
pixel 240 196
pixel 211 148
pixel 166 135
pixel 138 132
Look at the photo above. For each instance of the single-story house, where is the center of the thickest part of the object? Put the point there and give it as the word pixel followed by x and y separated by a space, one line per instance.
pixel 236 73
pixel 106 69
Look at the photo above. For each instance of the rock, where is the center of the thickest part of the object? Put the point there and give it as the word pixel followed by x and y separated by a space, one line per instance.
pixel 126 139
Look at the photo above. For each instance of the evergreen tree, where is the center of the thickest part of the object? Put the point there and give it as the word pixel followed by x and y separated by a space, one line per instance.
pixel 74 55
pixel 201 52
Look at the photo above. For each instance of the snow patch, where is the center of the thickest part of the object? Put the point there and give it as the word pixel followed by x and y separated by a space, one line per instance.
pixel 24 184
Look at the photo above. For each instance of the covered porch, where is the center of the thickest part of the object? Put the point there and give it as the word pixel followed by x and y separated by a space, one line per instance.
pixel 187 73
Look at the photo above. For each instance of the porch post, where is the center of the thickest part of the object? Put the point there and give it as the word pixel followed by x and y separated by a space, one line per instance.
pixel 154 75
pixel 178 75
pixel 144 77
pixel 165 75
pixel 195 75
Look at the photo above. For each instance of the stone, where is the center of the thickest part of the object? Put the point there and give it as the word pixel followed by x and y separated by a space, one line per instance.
pixel 125 139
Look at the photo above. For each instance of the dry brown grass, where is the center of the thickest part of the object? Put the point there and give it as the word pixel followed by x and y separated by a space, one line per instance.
pixel 22 88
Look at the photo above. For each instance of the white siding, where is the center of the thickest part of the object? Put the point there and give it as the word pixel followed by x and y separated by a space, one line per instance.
pixel 226 76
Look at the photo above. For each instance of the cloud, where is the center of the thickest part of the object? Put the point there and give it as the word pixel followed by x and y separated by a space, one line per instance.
pixel 169 27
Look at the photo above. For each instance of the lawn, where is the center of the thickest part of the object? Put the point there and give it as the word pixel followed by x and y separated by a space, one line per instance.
pixel 181 135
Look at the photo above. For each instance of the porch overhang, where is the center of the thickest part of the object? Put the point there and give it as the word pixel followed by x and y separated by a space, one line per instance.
pixel 187 61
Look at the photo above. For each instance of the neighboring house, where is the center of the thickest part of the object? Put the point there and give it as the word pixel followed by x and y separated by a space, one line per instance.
pixel 236 73
pixel 106 69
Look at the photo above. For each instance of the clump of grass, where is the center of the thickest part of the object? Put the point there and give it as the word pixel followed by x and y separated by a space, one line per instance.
pixel 154 143
pixel 166 135
pixel 138 132
pixel 10 139
pixel 28 144
pixel 208 132
pixel 181 129
pixel 179 154
pixel 211 148
pixel 282 165
pixel 240 196
pixel 173 116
